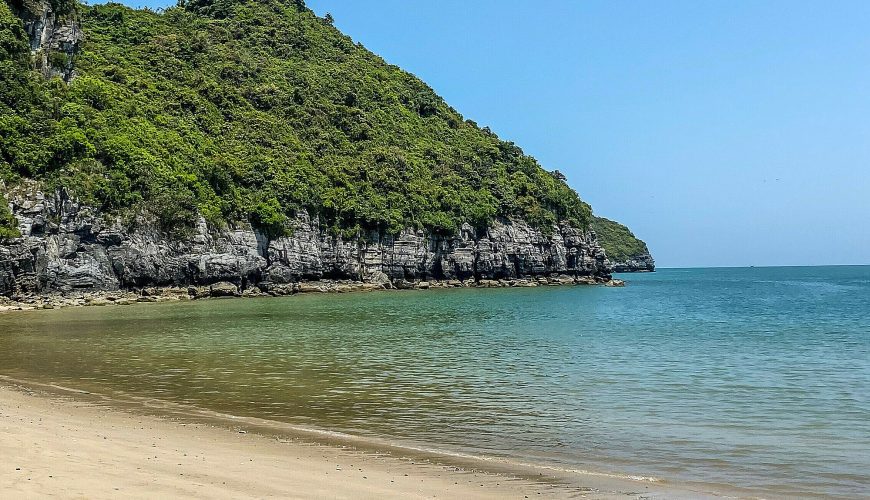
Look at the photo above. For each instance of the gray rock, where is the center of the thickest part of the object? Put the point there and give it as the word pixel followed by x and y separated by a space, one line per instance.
pixel 224 289
pixel 51 34
pixel 66 247
pixel 642 263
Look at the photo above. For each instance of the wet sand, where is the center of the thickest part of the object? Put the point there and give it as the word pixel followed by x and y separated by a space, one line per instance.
pixel 57 445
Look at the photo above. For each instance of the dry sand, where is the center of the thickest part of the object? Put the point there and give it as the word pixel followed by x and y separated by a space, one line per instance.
pixel 56 445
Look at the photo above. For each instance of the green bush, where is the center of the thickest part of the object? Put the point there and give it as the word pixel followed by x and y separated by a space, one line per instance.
pixel 8 222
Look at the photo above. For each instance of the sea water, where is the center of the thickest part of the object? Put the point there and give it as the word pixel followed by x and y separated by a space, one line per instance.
pixel 753 377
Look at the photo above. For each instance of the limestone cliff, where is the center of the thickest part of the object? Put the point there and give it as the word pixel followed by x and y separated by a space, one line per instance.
pixel 66 248
pixel 54 34
pixel 639 263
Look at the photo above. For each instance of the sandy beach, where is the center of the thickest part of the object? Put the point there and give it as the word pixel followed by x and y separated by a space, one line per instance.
pixel 56 445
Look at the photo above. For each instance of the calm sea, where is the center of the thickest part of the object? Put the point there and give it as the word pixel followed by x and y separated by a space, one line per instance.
pixel 752 377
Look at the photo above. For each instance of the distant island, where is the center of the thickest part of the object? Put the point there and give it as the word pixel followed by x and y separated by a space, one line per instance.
pixel 233 147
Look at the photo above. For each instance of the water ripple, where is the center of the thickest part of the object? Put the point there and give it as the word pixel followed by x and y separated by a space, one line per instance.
pixel 753 377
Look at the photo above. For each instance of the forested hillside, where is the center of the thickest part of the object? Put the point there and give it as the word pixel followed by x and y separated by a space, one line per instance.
pixel 252 110
pixel 623 248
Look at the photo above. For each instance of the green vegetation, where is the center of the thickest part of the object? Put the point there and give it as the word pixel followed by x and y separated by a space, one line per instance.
pixel 8 224
pixel 16 86
pixel 253 110
pixel 617 240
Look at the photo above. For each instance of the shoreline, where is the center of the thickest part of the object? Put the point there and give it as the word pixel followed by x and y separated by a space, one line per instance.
pixel 68 441
pixel 36 301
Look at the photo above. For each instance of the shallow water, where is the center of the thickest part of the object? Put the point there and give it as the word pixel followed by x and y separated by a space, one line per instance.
pixel 755 377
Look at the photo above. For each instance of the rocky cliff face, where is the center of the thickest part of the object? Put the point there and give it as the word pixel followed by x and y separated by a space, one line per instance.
pixel 640 263
pixel 66 247
pixel 54 37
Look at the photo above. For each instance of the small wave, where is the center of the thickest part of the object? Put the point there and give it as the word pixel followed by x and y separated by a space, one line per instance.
pixel 513 463
pixel 329 436
pixel 375 443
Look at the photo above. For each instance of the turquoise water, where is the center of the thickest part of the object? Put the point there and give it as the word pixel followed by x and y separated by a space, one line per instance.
pixel 757 377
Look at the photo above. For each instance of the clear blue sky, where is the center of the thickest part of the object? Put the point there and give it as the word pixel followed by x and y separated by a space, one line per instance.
pixel 722 133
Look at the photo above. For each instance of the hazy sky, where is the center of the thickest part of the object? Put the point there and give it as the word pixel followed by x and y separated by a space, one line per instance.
pixel 722 133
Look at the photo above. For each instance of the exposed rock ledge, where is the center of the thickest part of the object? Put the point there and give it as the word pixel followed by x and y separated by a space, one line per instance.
pixel 642 263
pixel 55 37
pixel 31 302
pixel 69 251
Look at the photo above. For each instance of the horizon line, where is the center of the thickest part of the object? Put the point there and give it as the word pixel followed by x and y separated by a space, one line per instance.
pixel 758 266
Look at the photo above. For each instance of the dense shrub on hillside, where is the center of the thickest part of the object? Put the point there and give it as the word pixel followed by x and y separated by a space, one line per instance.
pixel 618 241
pixel 253 110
